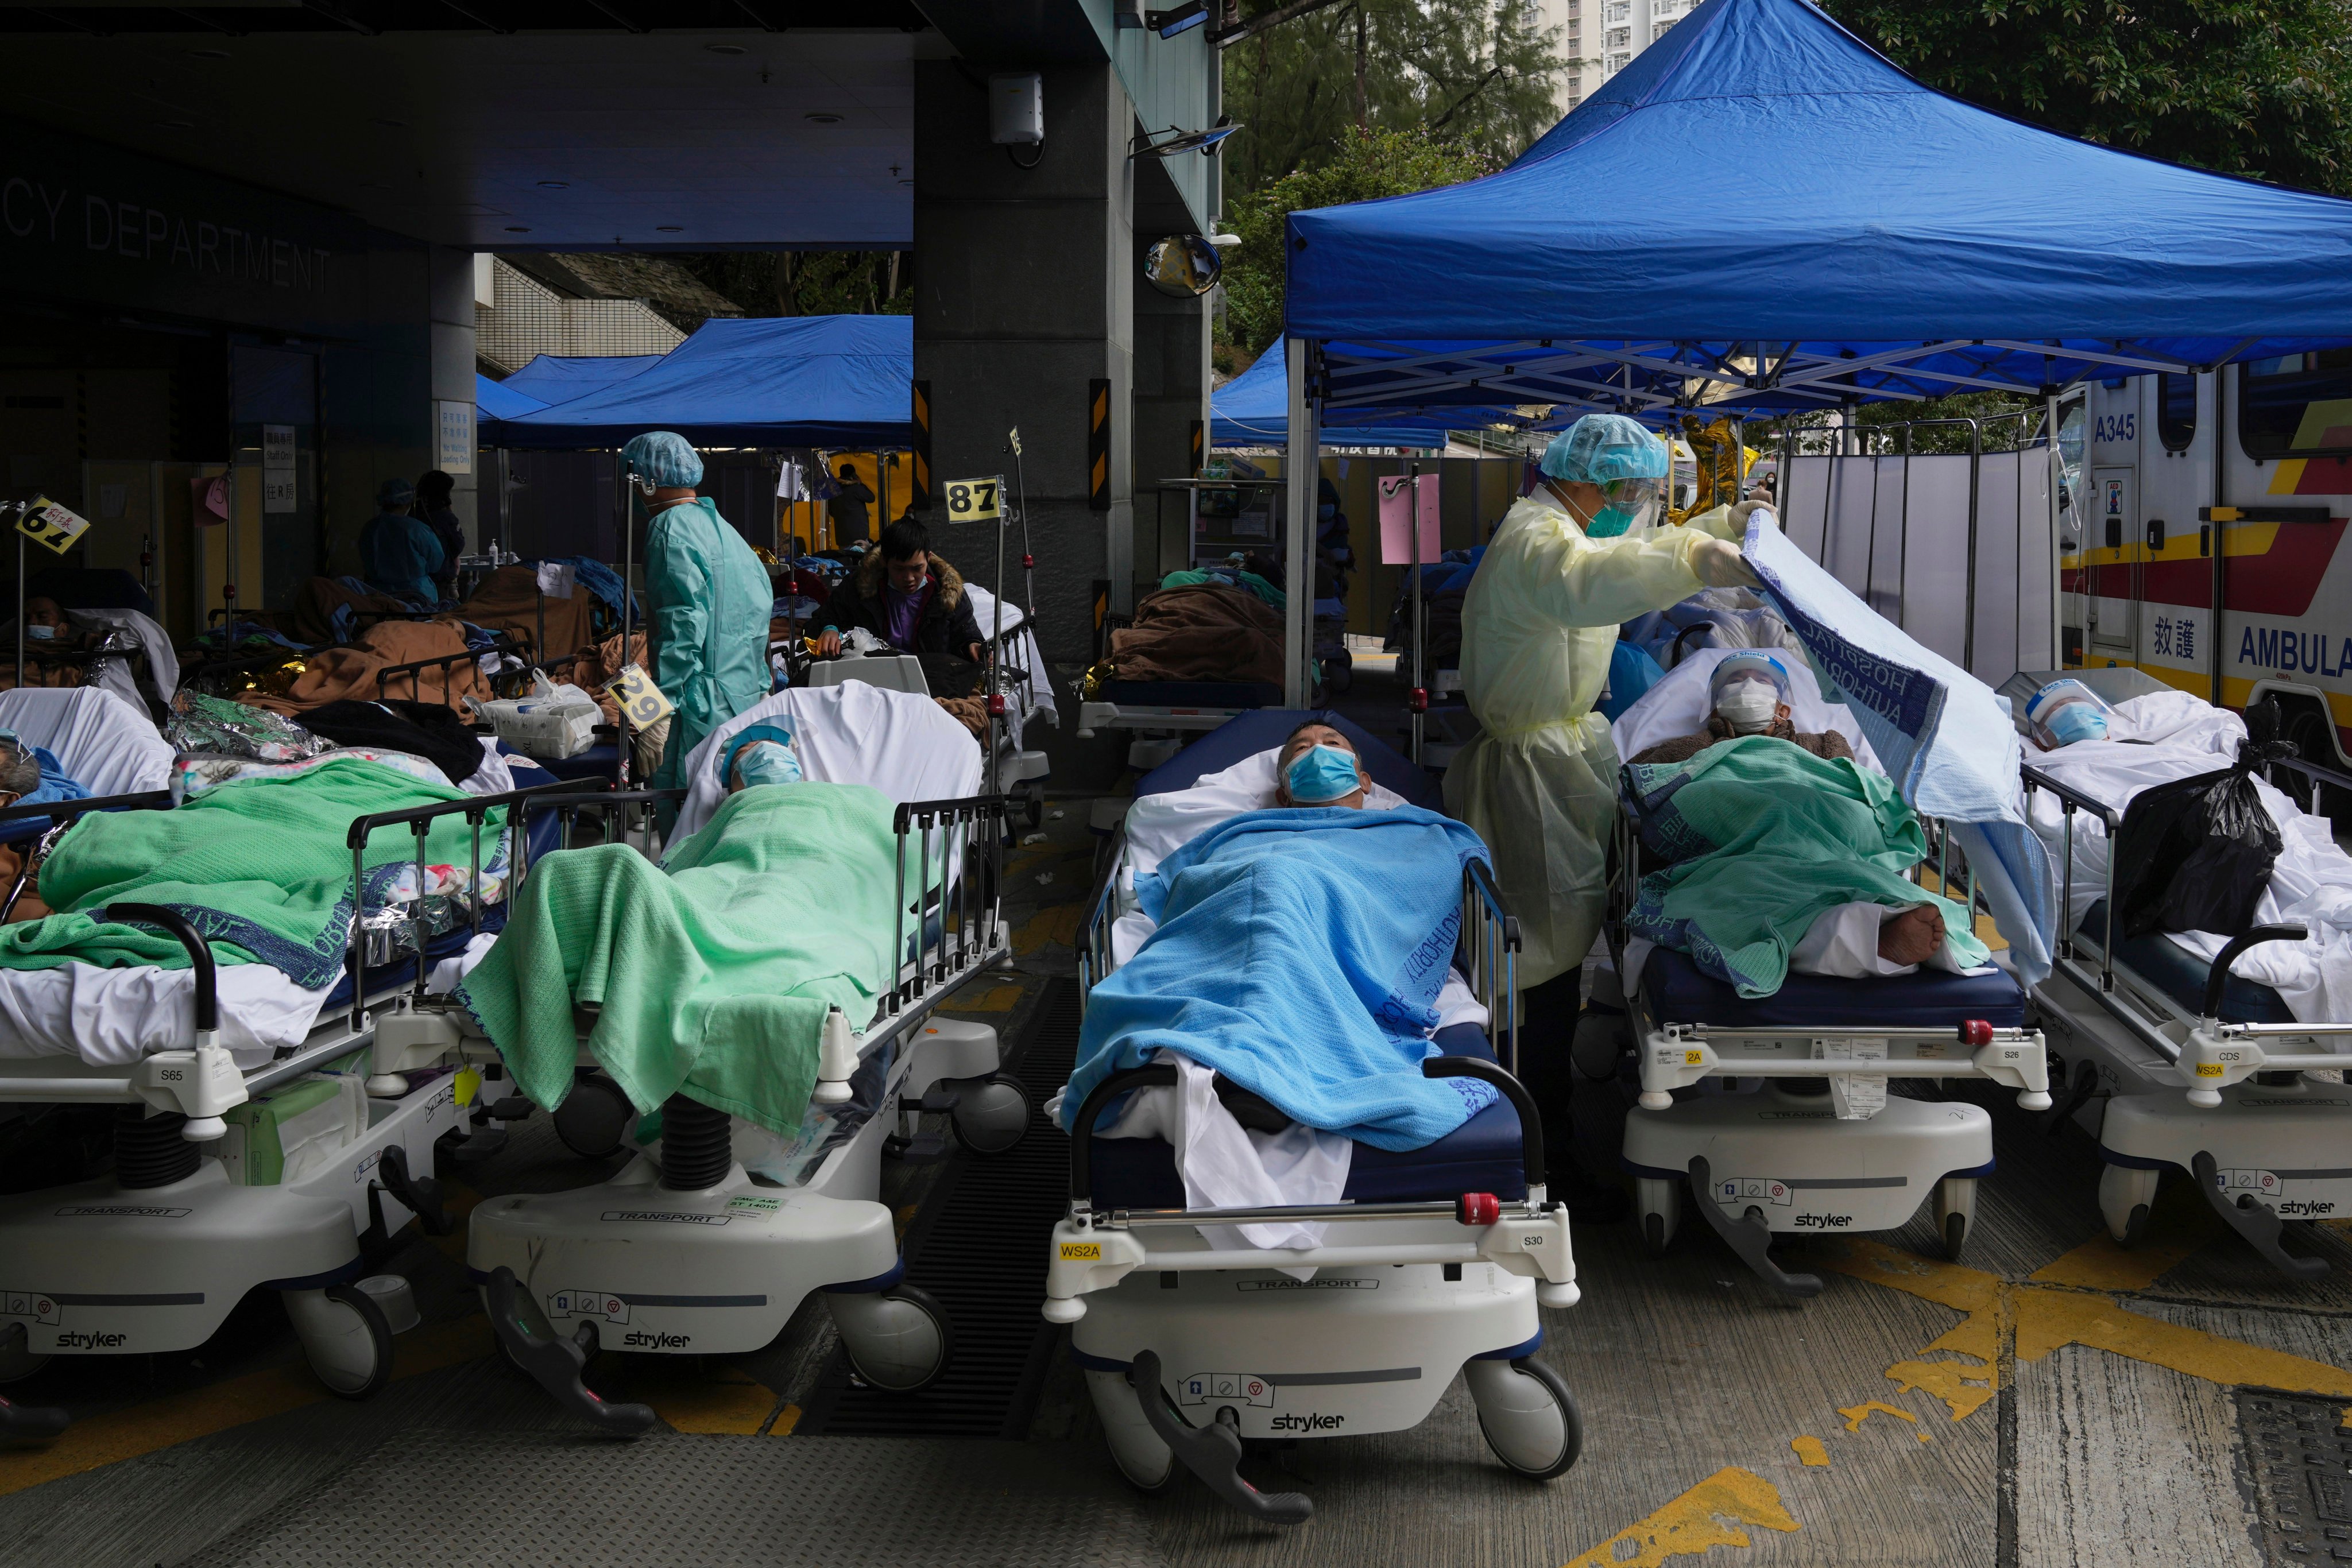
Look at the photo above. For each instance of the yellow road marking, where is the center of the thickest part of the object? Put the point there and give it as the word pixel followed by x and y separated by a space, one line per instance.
pixel 137 1429
pixel 695 1398
pixel 786 1419
pixel 1057 925
pixel 1855 1414
pixel 1719 1511
pixel 1809 1450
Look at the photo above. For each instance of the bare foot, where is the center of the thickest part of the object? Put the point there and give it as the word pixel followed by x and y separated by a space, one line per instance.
pixel 1912 936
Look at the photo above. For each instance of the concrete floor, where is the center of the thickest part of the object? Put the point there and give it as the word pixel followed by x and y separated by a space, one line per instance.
pixel 2055 1400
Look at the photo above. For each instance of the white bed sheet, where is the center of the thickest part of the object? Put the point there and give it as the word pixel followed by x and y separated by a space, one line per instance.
pixel 1033 697
pixel 2167 736
pixel 106 745
pixel 903 745
pixel 113 1018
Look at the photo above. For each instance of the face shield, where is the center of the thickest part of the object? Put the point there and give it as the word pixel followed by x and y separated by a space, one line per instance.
pixel 1632 504
pixel 1747 692
pixel 2064 712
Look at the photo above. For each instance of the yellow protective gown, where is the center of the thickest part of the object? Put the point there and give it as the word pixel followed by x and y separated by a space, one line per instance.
pixel 1540 782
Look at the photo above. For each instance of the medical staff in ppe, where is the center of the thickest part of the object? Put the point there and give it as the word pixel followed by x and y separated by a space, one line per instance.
pixel 707 595
pixel 1571 562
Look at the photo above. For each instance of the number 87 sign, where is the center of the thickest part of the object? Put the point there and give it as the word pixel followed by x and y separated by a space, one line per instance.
pixel 976 501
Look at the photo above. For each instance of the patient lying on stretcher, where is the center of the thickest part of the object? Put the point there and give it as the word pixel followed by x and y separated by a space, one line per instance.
pixel 2111 753
pixel 1294 962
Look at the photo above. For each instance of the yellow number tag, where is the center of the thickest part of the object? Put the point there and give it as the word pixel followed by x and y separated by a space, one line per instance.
pixel 468 1084
pixel 976 501
pixel 642 702
pixel 1081 1251
pixel 1693 1059
pixel 2209 1069
pixel 46 523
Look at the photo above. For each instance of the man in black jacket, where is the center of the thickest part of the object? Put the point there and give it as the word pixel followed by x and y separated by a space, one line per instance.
pixel 905 595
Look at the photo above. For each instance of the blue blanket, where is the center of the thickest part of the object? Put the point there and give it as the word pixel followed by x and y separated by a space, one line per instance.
pixel 1299 954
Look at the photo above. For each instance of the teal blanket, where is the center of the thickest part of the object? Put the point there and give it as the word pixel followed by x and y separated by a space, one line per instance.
pixel 1761 838
pixel 712 971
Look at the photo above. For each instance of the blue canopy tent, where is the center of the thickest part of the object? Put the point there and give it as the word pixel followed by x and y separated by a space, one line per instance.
pixel 495 402
pixel 805 381
pixel 559 378
pixel 1889 243
pixel 1254 409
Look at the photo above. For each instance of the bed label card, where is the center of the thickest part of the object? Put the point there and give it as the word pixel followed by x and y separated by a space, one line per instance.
pixel 642 702
pixel 754 1204
pixel 1857 1096
pixel 46 523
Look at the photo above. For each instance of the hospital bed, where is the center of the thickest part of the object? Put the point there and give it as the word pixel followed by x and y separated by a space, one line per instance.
pixel 1741 1098
pixel 684 1253
pixel 2175 1064
pixel 1444 1255
pixel 1163 713
pixel 286 1163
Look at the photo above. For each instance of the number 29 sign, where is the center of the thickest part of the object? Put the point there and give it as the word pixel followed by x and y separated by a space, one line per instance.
pixel 642 702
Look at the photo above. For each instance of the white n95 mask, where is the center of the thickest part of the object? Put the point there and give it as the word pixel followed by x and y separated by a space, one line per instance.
pixel 1748 706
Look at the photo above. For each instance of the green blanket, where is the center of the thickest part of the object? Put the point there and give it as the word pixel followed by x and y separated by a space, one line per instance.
pixel 260 866
pixel 714 973
pixel 1764 836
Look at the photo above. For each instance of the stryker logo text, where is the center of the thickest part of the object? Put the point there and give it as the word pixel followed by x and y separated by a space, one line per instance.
pixel 1823 1221
pixel 2305 1207
pixel 87 1340
pixel 1307 1422
pixel 650 1339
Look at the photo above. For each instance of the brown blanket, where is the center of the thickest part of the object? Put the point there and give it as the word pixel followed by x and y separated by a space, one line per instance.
pixel 1829 745
pixel 1203 631
pixel 311 618
pixel 507 601
pixel 334 673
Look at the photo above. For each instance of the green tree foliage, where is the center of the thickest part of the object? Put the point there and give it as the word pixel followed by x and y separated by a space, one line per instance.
pixel 1473 73
pixel 810 282
pixel 2260 87
pixel 1364 165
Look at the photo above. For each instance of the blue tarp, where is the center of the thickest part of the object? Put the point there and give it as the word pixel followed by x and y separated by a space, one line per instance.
pixel 1254 409
pixel 560 377
pixel 495 400
pixel 1857 215
pixel 800 381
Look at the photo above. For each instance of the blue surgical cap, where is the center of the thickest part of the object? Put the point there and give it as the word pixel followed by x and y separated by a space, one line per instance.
pixel 394 493
pixel 1600 447
pixel 664 459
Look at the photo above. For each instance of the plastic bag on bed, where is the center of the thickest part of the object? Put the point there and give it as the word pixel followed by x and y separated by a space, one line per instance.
pixel 2195 855
pixel 199 723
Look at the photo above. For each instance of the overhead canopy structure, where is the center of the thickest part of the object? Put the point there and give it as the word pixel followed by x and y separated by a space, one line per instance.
pixel 495 401
pixel 1763 212
pixel 801 381
pixel 1254 409
pixel 560 377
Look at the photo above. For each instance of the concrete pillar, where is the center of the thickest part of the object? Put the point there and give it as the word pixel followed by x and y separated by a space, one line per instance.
pixel 1025 297
pixel 450 287
pixel 1172 381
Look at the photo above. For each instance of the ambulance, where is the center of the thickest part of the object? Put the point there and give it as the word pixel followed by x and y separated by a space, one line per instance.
pixel 2200 517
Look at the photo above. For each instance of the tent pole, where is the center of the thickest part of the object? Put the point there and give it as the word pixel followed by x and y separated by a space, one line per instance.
pixel 1301 467
pixel 628 568
pixel 2057 545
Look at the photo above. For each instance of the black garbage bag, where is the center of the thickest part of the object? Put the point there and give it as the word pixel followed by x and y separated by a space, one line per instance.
pixel 2195 855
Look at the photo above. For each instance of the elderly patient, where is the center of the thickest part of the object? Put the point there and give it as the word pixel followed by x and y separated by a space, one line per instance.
pixel 759 754
pixel 1748 695
pixel 1319 767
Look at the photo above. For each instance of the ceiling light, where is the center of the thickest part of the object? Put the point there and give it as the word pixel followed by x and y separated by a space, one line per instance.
pixel 724 49
pixel 823 117
pixel 555 185
pixel 669 229
pixel 517 229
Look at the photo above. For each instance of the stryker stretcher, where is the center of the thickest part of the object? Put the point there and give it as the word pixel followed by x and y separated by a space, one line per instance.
pixel 267 1165
pixel 1440 1259
pixel 2175 1064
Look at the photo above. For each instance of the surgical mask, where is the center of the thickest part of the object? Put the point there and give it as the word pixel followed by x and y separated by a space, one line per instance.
pixel 40 633
pixel 1320 774
pixel 1749 707
pixel 2076 721
pixel 1610 521
pixel 766 762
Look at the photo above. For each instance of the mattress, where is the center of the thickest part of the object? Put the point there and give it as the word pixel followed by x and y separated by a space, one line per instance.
pixel 1483 1155
pixel 1678 992
pixel 1246 735
pixel 1192 693
pixel 2181 975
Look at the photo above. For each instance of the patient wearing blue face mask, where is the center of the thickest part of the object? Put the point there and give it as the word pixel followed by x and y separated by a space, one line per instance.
pixel 1317 767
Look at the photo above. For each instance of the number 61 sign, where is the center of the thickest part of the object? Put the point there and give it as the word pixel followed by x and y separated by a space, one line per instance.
pixel 642 702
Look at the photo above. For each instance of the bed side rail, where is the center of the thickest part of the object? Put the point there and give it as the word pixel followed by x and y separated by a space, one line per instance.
pixel 972 827
pixel 506 645
pixel 1489 955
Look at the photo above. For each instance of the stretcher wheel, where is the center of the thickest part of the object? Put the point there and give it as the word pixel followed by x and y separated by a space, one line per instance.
pixel 896 1340
pixel 1956 1210
pixel 345 1338
pixel 18 1359
pixel 1144 1462
pixel 1526 1415
pixel 1600 1043
pixel 1659 1201
pixel 594 1117
pixel 2125 1196
pixel 992 1115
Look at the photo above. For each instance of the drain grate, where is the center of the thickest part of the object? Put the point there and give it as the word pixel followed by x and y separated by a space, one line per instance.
pixel 978 1247
pixel 2301 1457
